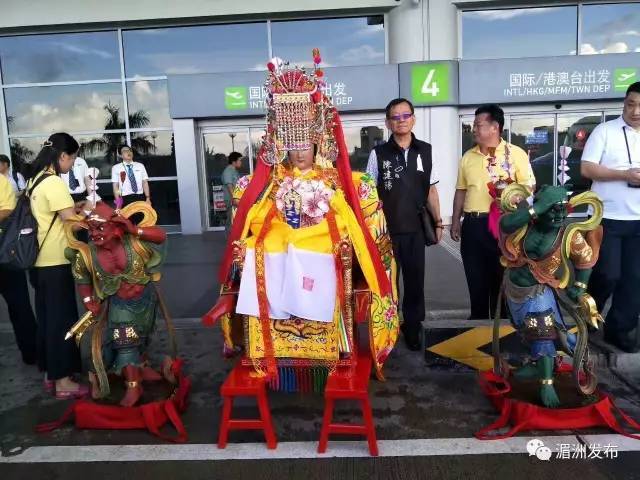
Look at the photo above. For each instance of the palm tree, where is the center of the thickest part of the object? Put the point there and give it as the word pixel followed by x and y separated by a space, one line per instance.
pixel 20 156
pixel 109 142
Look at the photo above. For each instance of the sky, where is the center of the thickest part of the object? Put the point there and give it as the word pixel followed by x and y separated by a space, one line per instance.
pixel 548 31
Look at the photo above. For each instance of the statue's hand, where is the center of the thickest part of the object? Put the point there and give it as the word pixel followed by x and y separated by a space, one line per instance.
pixel 93 306
pixel 574 293
pixel 126 223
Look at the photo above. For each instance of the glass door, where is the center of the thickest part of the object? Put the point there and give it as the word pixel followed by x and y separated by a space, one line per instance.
pixel 216 147
pixel 361 136
pixel 535 134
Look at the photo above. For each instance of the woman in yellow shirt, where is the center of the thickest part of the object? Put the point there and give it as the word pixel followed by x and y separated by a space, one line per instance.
pixel 56 310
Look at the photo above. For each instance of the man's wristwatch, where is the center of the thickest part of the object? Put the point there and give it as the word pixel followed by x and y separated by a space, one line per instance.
pixel 86 299
pixel 533 213
pixel 140 232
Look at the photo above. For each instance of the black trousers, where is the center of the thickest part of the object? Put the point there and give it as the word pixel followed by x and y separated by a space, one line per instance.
pixel 134 197
pixel 57 312
pixel 481 261
pixel 618 272
pixel 13 287
pixel 408 249
pixel 79 197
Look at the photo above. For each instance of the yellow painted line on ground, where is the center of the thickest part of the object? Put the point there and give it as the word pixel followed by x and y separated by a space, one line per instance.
pixel 463 348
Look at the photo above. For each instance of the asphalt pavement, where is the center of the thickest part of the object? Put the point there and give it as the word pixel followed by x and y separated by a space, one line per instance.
pixel 426 412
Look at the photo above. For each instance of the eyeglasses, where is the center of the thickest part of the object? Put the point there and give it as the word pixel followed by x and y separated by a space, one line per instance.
pixel 401 117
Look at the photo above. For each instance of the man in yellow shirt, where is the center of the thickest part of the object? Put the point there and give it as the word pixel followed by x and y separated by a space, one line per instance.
pixel 478 169
pixel 13 287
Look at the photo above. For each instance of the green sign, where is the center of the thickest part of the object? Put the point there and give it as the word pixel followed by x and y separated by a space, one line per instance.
pixel 623 78
pixel 430 83
pixel 235 98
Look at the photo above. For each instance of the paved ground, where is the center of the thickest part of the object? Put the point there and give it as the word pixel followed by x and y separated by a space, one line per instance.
pixel 426 413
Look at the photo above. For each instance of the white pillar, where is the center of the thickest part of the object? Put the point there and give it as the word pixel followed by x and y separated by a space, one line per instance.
pixel 406 33
pixel 441 35
pixel 187 169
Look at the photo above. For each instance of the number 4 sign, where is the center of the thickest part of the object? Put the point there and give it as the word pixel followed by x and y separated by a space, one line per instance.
pixel 430 83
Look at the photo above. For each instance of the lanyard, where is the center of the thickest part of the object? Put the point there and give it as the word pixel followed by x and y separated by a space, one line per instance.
pixel 626 141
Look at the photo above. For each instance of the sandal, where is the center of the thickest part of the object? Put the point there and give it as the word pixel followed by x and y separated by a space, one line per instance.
pixel 48 385
pixel 81 392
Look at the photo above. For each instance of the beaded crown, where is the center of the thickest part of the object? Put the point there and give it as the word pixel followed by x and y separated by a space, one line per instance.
pixel 299 114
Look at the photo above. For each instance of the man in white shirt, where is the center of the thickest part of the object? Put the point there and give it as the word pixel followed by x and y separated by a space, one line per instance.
pixel 77 180
pixel 15 178
pixel 130 180
pixel 611 158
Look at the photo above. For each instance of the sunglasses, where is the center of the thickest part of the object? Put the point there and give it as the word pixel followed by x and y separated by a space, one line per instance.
pixel 401 117
pixel 559 207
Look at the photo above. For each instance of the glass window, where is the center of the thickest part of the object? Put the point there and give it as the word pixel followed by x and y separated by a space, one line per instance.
pixel 210 48
pixel 164 199
pixel 256 135
pixel 342 41
pixel 98 150
pixel 612 28
pixel 155 150
pixel 466 131
pixel 360 141
pixel 23 152
pixel 217 147
pixel 519 32
pixel 60 57
pixel 64 108
pixel 535 136
pixel 148 104
pixel 612 114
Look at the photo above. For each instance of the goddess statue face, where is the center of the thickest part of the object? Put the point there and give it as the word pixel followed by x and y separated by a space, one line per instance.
pixel 303 159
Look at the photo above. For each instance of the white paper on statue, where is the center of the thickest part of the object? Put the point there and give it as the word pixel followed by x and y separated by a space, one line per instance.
pixel 274 264
pixel 309 289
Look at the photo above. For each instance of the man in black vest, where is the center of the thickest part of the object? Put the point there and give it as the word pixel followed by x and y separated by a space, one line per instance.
pixel 406 178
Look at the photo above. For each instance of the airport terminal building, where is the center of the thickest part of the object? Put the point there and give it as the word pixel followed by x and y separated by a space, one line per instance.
pixel 182 82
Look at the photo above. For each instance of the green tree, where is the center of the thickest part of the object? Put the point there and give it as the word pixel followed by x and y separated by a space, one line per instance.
pixel 109 142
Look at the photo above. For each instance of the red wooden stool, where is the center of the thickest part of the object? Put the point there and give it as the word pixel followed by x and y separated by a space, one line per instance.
pixel 344 386
pixel 240 383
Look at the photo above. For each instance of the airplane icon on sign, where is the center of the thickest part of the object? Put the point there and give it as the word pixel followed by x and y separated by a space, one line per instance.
pixel 236 95
pixel 626 76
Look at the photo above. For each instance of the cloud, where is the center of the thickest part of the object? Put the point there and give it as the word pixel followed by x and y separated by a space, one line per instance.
pixel 82 50
pixel 72 109
pixel 151 97
pixel 361 54
pixel 367 31
pixel 616 47
pixel 506 14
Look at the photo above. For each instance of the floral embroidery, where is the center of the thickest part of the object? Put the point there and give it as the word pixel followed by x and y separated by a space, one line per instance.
pixel 314 194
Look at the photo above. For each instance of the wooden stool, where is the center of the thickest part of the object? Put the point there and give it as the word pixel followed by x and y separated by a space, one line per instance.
pixel 342 386
pixel 240 383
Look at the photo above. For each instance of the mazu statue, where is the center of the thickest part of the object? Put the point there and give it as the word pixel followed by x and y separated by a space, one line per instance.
pixel 308 240
pixel 548 262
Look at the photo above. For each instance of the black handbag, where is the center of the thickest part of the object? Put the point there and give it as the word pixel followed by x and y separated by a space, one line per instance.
pixel 427 222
